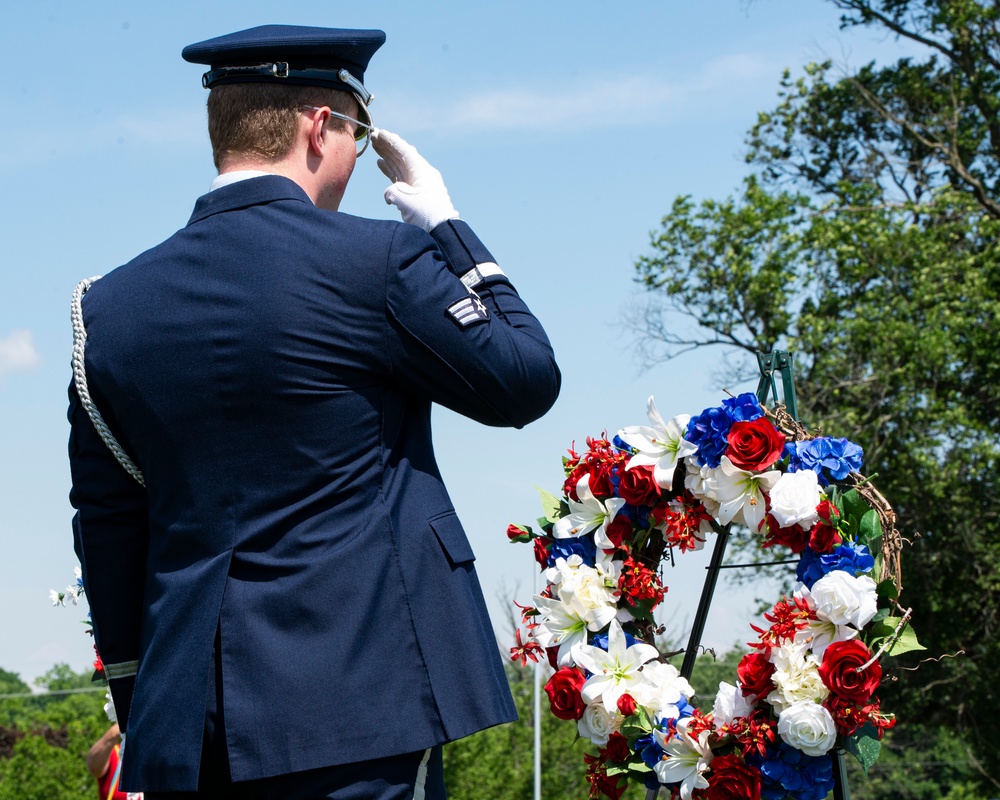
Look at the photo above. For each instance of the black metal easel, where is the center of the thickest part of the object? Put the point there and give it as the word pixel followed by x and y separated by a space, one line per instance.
pixel 777 361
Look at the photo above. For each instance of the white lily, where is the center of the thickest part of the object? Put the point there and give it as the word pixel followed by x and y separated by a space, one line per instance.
pixel 615 672
pixel 564 623
pixel 686 758
pixel 660 445
pixel 589 514
pixel 741 494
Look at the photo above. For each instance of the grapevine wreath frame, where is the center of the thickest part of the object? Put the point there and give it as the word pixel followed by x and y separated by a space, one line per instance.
pixel 807 688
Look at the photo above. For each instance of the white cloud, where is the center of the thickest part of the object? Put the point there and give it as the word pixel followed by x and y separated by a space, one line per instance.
pixel 593 102
pixel 17 352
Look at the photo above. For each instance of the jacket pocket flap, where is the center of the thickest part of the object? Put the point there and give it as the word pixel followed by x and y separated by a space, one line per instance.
pixel 452 537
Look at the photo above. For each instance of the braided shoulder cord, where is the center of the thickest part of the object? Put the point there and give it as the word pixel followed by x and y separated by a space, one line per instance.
pixel 80 380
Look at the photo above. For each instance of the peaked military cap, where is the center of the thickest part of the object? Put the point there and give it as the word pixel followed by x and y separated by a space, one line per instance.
pixel 333 57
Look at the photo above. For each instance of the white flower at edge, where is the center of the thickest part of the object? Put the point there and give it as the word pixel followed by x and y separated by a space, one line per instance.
pixel 741 494
pixel 794 499
pixel 660 446
pixel 662 690
pixel 686 759
pixel 729 704
pixel 109 708
pixel 57 598
pixel 700 481
pixel 808 727
pixel 796 676
pixel 615 672
pixel 819 634
pixel 843 599
pixel 561 625
pixel 597 724
pixel 589 514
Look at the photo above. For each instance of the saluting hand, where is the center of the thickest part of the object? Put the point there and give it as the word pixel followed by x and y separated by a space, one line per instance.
pixel 417 189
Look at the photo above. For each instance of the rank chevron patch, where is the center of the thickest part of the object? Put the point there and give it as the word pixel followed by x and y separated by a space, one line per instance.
pixel 469 310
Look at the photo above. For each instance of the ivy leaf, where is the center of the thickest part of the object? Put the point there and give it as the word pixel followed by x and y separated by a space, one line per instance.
pixel 553 507
pixel 864 746
pixel 906 643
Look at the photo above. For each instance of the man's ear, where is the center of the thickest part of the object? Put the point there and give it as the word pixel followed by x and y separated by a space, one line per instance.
pixel 317 132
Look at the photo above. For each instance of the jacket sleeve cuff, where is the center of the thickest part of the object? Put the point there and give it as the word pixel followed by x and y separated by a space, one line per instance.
pixel 123 669
pixel 466 255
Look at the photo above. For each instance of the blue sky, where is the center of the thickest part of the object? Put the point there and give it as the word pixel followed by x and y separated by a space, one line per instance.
pixel 563 130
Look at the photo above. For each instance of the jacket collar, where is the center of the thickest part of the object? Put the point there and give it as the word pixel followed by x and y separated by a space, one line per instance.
pixel 251 192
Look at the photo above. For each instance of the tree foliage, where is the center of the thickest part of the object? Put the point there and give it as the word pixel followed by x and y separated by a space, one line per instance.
pixel 866 242
pixel 44 739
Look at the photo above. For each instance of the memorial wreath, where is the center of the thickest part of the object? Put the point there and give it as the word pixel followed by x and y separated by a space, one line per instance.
pixel 808 685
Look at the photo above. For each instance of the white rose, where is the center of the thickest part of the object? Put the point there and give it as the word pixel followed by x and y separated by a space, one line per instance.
pixel 808 727
pixel 597 724
pixel 843 599
pixel 662 690
pixel 794 499
pixel 796 677
pixel 701 482
pixel 729 704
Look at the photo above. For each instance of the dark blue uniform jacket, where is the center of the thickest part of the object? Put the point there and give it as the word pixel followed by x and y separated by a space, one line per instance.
pixel 270 368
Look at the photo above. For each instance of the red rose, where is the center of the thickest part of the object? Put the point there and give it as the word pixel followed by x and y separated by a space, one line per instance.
pixel 563 690
pixel 619 529
pixel 542 548
pixel 755 673
pixel 792 537
pixel 627 704
pixel 637 487
pixel 823 538
pixel 824 535
pixel 617 749
pixel 839 671
pixel 731 779
pixel 754 446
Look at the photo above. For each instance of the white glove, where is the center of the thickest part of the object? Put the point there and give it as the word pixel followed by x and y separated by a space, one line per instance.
pixel 417 189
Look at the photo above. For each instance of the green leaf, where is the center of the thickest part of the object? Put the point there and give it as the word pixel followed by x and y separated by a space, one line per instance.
pixel 906 643
pixel 636 726
pixel 884 628
pixel 553 507
pixel 854 505
pixel 870 528
pixel 887 588
pixel 864 746
pixel 639 768
pixel 617 769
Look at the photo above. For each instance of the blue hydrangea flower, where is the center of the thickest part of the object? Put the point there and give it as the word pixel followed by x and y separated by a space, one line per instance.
pixel 743 408
pixel 787 771
pixel 709 431
pixel 849 557
pixel 829 458
pixel 582 546
pixel 622 445
pixel 601 640
pixel 648 750
pixel 638 514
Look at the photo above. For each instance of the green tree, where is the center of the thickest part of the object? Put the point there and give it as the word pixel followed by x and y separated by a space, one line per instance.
pixel 44 739
pixel 866 242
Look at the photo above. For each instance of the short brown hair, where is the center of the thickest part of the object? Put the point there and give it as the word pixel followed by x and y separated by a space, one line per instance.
pixel 260 119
